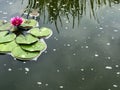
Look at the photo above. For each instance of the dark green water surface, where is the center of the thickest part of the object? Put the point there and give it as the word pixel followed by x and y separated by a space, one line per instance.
pixel 83 52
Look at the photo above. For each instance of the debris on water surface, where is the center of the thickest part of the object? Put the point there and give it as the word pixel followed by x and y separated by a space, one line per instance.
pixel 100 28
pixel 54 50
pixel 108 67
pixel 68 45
pixel 86 46
pixel 46 84
pixel 116 66
pixel 39 83
pixel 92 69
pixel 115 85
pixel 82 69
pixel 61 86
pixel 109 57
pixel 96 55
pixel 108 44
pixel 9 69
pixel 27 70
pixel 58 70
pixel 83 78
pixel 118 73
pixel 115 30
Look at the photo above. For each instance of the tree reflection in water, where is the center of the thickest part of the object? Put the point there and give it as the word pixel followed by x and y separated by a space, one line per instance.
pixel 53 10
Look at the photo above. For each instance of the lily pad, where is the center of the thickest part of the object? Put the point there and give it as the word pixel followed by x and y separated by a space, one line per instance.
pixel 7 47
pixel 38 46
pixel 3 33
pixel 6 26
pixel 21 54
pixel 42 32
pixel 6 37
pixel 27 39
pixel 29 24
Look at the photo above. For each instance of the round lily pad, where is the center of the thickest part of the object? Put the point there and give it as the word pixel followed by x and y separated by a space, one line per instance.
pixel 42 32
pixel 27 39
pixel 6 26
pixel 38 46
pixel 29 23
pixel 21 54
pixel 6 37
pixel 7 47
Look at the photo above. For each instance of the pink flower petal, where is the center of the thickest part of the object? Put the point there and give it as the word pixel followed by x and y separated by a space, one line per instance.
pixel 16 21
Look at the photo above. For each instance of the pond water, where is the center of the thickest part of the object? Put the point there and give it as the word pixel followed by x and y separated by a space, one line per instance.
pixel 83 53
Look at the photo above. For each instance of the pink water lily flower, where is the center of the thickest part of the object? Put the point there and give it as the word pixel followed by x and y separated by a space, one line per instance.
pixel 16 21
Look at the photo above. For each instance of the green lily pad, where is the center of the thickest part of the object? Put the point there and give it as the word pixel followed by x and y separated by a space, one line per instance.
pixel 29 24
pixel 42 32
pixel 21 54
pixel 6 37
pixel 27 39
pixel 3 33
pixel 7 47
pixel 38 46
pixel 6 26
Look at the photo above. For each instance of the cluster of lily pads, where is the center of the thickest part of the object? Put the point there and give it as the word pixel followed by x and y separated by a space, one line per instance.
pixel 23 41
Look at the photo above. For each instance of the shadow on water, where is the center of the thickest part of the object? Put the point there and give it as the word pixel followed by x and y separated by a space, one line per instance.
pixel 54 10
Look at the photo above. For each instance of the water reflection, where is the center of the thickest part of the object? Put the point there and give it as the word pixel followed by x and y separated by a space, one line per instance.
pixel 54 10
pixel 83 58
